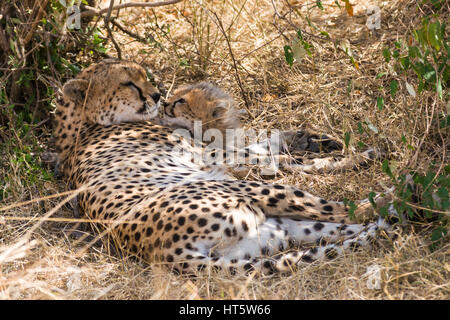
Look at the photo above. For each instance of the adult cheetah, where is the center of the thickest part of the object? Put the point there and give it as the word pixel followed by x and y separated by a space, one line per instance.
pixel 163 206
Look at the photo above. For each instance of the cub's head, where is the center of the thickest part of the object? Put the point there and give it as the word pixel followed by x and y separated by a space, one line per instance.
pixel 110 92
pixel 202 102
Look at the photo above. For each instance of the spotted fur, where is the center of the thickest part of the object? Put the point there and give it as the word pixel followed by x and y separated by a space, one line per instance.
pixel 163 206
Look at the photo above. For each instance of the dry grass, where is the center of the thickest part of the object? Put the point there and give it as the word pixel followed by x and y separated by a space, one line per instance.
pixel 324 92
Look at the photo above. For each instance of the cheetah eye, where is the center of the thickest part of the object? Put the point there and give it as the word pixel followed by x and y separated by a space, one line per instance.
pixel 132 85
pixel 179 101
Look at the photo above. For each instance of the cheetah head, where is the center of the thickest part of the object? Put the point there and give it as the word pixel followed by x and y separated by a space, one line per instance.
pixel 111 92
pixel 202 101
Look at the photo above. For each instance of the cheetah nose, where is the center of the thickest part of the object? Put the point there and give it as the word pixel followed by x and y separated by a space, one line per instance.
pixel 155 96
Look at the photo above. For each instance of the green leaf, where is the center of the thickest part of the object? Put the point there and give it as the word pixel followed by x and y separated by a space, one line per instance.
pixel 437 4
pixel 394 87
pixel 289 55
pixel 445 122
pixel 349 87
pixel 380 103
pixel 439 88
pixel 319 4
pixel 360 128
pixel 434 30
pixel 410 212
pixel 75 69
pixel 347 136
pixel 372 202
pixel 447 167
pixel 421 86
pixel 414 52
pixel 442 192
pixel 438 233
pixel 15 20
pixel 352 208
pixel 384 212
pixel 386 54
pixel 436 236
pixel 404 61
pixel 429 74
pixel 386 169
pixel 404 139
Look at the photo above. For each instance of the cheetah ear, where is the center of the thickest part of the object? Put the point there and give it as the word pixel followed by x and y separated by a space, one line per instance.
pixel 75 90
pixel 220 109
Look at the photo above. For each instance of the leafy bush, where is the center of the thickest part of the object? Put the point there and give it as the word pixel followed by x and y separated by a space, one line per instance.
pixel 423 56
pixel 35 59
pixel 420 63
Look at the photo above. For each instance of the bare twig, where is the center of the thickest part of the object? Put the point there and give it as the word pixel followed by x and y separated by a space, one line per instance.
pixel 110 9
pixel 122 28
pixel 4 45
pixel 108 28
pixel 49 57
pixel 36 21
pixel 236 72
pixel 98 12
pixel 258 48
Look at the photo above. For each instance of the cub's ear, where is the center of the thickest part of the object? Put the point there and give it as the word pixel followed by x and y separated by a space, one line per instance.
pixel 220 109
pixel 75 90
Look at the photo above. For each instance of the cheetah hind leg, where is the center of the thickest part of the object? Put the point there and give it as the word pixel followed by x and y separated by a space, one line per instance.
pixel 269 165
pixel 302 140
pixel 290 155
pixel 276 247
pixel 297 142
pixel 330 164
pixel 276 200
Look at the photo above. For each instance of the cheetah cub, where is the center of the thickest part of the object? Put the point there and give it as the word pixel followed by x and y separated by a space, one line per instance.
pixel 204 102
pixel 213 108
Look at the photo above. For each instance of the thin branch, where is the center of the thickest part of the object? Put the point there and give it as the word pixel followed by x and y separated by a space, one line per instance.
pixel 4 44
pixel 110 9
pixel 36 21
pixel 122 28
pixel 230 49
pixel 108 28
pixel 98 12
